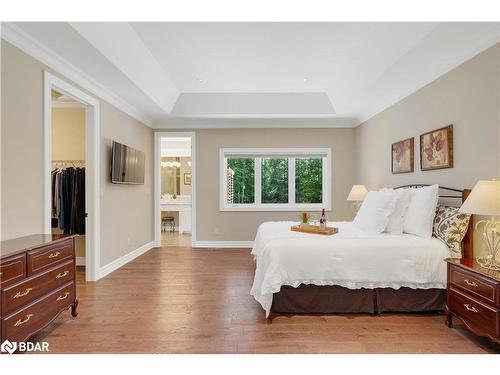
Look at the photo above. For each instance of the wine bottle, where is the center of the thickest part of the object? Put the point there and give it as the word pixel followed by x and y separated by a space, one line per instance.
pixel 322 220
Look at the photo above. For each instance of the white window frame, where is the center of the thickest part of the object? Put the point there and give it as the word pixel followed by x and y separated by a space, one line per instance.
pixel 291 153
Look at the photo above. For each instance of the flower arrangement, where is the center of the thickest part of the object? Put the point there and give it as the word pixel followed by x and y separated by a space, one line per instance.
pixel 304 218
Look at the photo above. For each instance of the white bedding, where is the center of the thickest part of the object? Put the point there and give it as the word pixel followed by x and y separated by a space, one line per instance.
pixel 350 258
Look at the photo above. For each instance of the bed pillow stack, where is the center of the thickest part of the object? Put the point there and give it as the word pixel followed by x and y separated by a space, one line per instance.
pixel 419 216
pixel 395 224
pixel 373 216
pixel 399 211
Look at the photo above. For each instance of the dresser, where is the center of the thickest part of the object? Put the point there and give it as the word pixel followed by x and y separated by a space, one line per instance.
pixel 37 283
pixel 473 296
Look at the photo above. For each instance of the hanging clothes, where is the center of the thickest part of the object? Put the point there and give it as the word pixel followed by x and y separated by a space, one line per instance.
pixel 68 197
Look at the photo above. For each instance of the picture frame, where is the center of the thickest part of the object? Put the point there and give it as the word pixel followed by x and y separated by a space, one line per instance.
pixel 403 156
pixel 187 178
pixel 436 149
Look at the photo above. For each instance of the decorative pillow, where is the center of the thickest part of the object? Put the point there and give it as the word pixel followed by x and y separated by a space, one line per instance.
pixel 419 216
pixel 395 224
pixel 450 226
pixel 374 213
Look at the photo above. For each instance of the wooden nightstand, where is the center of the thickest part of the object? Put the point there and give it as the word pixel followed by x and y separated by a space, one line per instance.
pixel 473 295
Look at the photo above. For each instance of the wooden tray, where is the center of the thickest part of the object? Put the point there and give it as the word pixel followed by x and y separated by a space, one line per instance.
pixel 315 229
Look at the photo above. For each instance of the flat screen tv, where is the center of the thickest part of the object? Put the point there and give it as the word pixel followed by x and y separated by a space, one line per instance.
pixel 127 166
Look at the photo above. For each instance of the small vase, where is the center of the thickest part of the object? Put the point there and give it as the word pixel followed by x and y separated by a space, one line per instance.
pixel 303 225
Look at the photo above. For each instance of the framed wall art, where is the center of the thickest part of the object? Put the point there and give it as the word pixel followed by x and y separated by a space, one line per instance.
pixel 436 149
pixel 402 158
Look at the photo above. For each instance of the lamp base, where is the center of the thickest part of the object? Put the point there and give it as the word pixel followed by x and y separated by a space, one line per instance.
pixel 488 263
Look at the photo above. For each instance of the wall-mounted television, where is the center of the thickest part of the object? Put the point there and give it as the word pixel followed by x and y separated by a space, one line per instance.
pixel 127 166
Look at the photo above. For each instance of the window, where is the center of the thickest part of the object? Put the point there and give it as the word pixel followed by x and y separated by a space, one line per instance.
pixel 275 179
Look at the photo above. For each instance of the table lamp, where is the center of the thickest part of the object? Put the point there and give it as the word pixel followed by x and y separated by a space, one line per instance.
pixel 357 194
pixel 484 200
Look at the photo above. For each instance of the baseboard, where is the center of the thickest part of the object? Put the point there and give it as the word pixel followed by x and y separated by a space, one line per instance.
pixel 117 263
pixel 223 244
pixel 80 261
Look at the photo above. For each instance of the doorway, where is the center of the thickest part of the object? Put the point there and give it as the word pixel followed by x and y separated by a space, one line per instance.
pixel 175 213
pixel 68 171
pixel 71 142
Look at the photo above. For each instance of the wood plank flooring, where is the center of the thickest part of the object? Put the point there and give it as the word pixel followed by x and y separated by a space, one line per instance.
pixel 180 300
pixel 175 239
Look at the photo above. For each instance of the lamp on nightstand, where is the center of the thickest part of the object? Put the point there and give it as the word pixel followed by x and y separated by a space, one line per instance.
pixel 484 199
pixel 357 194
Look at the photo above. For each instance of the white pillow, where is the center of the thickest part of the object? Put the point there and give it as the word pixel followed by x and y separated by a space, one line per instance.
pixel 396 219
pixel 374 213
pixel 419 216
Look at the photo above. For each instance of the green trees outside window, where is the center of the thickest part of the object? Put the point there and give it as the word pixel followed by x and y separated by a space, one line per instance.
pixel 308 180
pixel 243 179
pixel 274 180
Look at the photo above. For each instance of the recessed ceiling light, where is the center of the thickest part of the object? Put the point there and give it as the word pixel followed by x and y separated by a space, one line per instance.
pixel 306 79
pixel 199 80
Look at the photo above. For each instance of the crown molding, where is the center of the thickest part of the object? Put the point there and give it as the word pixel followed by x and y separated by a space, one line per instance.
pixel 20 39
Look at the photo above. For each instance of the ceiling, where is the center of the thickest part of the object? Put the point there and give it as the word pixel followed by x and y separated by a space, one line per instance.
pixel 191 74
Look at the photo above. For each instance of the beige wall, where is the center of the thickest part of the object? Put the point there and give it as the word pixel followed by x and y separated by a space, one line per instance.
pixel 68 133
pixel 185 168
pixel 214 225
pixel 467 97
pixel 124 208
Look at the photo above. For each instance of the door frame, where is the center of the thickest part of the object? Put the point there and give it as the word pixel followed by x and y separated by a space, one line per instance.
pixel 92 170
pixel 157 178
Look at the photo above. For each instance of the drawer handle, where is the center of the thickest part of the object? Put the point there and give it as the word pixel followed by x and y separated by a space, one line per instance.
pixel 25 293
pixel 22 321
pixel 62 297
pixel 473 309
pixel 471 283
pixel 62 274
pixel 54 255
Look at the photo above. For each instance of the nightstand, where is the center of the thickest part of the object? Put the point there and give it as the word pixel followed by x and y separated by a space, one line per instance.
pixel 473 296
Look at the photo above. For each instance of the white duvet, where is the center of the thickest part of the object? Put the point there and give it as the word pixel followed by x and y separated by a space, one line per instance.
pixel 350 258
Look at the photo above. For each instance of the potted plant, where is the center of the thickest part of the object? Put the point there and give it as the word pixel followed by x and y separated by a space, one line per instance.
pixel 304 219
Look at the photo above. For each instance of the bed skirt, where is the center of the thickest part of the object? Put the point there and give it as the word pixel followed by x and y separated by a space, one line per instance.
pixel 313 299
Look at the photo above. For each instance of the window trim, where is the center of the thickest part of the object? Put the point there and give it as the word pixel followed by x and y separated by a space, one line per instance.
pixel 291 154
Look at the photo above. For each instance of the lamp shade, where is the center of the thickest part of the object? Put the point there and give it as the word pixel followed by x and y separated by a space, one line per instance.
pixel 484 199
pixel 358 193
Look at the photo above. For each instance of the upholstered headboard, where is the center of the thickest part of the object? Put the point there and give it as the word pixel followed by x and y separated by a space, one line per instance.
pixel 457 197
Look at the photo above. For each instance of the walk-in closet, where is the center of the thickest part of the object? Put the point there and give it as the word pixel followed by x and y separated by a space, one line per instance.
pixel 68 170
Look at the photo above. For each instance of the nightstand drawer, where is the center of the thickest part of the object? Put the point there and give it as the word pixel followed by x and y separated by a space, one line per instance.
pixel 474 312
pixel 474 284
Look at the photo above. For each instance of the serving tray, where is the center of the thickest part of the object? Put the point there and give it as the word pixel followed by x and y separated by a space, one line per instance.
pixel 314 229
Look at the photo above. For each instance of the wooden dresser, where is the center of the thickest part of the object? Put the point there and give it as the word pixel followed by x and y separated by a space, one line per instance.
pixel 37 283
pixel 474 297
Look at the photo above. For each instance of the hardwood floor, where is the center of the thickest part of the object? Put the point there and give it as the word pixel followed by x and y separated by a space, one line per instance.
pixel 180 300
pixel 175 239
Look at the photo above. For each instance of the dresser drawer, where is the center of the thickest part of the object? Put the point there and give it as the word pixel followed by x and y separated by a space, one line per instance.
pixel 26 322
pixel 474 312
pixel 12 270
pixel 24 292
pixel 45 257
pixel 470 282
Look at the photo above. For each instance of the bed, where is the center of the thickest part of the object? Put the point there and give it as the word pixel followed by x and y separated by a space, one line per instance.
pixel 352 271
